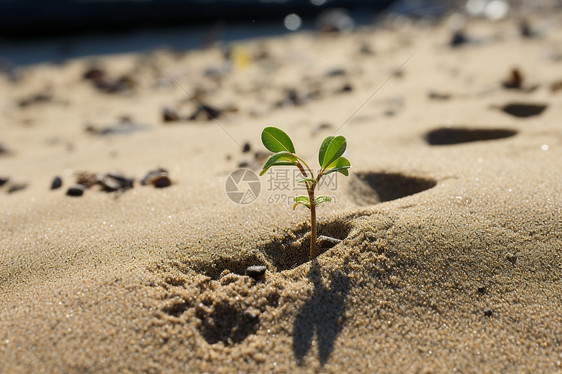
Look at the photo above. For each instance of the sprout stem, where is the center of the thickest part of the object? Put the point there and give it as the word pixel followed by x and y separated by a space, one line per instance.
pixel 312 221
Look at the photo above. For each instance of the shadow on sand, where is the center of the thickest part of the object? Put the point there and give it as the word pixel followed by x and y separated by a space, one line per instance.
pixel 322 315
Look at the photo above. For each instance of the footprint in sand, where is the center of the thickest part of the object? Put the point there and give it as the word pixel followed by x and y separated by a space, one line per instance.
pixel 368 188
pixel 522 110
pixel 449 135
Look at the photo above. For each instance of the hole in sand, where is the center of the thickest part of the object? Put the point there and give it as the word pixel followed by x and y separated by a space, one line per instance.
pixel 372 188
pixel 227 322
pixel 446 136
pixel 523 110
pixel 294 248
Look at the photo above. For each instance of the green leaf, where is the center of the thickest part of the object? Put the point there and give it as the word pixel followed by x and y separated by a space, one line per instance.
pixel 280 158
pixel 301 200
pixel 334 149
pixel 304 180
pixel 276 140
pixel 322 199
pixel 323 148
pixel 341 165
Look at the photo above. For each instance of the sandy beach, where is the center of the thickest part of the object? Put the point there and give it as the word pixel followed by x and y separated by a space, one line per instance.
pixel 449 224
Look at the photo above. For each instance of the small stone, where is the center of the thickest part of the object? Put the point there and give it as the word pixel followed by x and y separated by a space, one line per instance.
pixel 57 183
pixel 170 115
pixel 458 38
pixel 205 111
pixel 346 88
pixel 256 271
pixel 161 181
pixel 4 180
pixel 481 290
pixel 115 182
pixel 514 81
pixel 243 164
pixel 488 312
pixel 76 190
pixel 94 74
pixel 246 147
pixel 158 178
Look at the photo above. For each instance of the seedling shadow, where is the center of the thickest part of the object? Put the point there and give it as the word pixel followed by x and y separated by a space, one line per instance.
pixel 322 315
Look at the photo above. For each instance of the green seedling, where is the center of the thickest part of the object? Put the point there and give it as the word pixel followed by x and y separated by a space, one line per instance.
pixel 329 157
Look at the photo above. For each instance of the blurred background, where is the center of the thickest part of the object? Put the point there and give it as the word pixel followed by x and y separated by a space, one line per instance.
pixel 35 31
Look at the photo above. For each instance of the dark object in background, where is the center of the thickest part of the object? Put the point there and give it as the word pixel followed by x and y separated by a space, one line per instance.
pixel 523 110
pixel 3 180
pixel 514 81
pixel 115 182
pixel 246 147
pixel 57 183
pixel 33 18
pixel 256 271
pixel 76 190
pixel 458 39
pixel 205 112
pixel 170 115
pixel 158 178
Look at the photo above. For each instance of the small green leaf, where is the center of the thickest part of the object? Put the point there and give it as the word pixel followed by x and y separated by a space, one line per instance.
pixel 341 165
pixel 322 199
pixel 276 140
pixel 301 200
pixel 323 148
pixel 280 158
pixel 334 149
pixel 304 180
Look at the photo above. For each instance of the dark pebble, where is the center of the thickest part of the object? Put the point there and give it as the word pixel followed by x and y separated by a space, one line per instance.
pixel 481 290
pixel 158 178
pixel 346 88
pixel 205 111
pixel 488 312
pixel 523 110
pixel 256 271
pixel 243 164
pixel 161 181
pixel 458 39
pixel 170 115
pixel 57 183
pixel 3 180
pixel 514 80
pixel 94 74
pixel 77 190
pixel 246 147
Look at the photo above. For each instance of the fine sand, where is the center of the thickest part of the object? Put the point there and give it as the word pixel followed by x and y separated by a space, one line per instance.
pixel 450 259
